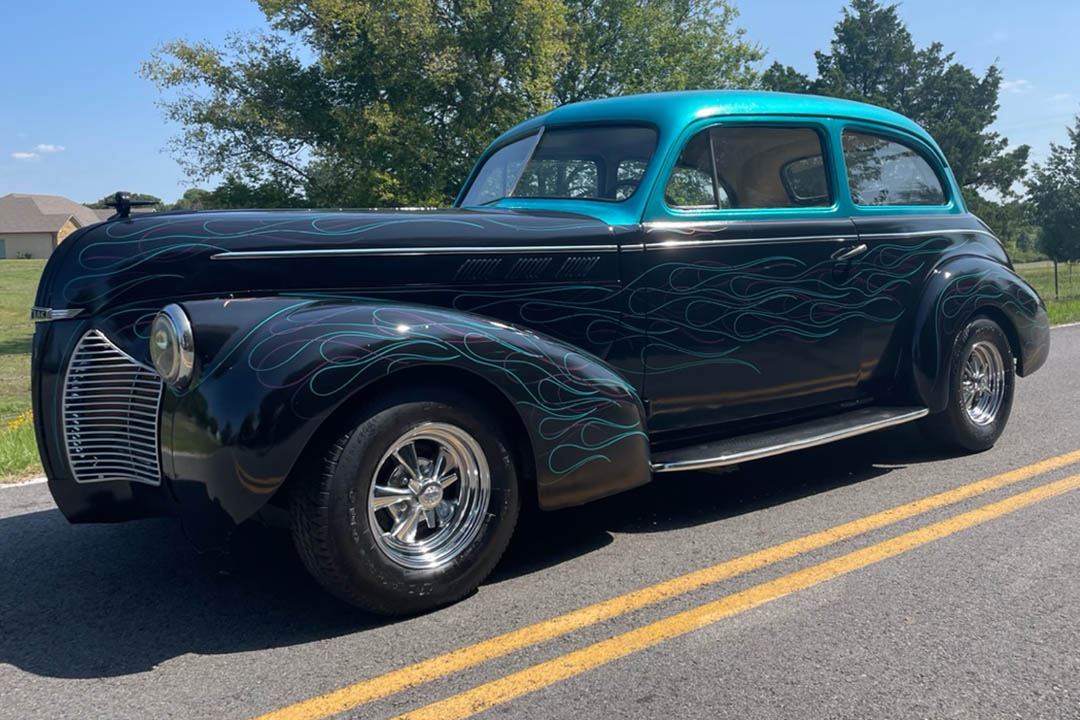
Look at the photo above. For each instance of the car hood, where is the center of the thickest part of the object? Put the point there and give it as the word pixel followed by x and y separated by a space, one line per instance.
pixel 198 254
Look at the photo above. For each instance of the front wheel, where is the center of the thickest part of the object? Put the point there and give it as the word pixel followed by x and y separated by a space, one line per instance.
pixel 981 385
pixel 415 505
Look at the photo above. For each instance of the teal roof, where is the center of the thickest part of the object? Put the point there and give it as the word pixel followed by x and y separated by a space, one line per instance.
pixel 672 111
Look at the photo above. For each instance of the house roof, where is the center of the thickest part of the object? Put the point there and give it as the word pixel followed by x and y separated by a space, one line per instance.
pixel 23 213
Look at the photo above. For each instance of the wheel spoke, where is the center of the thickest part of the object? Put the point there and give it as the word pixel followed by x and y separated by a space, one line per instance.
pixel 440 461
pixel 386 496
pixel 448 480
pixel 431 519
pixel 406 455
pixel 405 528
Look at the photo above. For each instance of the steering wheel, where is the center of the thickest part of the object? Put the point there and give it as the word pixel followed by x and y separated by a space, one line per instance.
pixel 632 184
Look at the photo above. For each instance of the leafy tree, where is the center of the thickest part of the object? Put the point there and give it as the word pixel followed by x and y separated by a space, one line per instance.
pixel 399 97
pixel 622 47
pixel 234 193
pixel 1054 189
pixel 192 199
pixel 158 204
pixel 873 58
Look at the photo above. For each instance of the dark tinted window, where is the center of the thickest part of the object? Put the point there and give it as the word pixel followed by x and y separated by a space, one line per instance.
pixel 885 172
pixel 755 167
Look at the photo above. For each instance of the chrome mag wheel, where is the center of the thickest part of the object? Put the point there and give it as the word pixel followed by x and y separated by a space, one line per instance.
pixel 982 383
pixel 429 496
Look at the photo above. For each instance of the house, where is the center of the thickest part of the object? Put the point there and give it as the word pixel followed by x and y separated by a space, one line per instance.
pixel 33 225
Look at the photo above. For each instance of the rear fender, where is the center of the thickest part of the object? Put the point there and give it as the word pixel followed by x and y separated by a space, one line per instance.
pixel 271 371
pixel 958 290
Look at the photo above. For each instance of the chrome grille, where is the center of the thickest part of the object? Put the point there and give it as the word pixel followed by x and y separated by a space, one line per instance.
pixel 111 408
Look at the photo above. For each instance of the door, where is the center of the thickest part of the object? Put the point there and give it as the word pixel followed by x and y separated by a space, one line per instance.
pixel 904 208
pixel 753 308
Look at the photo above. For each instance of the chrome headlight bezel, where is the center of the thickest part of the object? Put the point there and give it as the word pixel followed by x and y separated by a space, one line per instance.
pixel 176 370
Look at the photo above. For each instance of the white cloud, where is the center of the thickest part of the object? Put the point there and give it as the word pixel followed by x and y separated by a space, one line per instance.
pixel 25 155
pixel 1016 86
pixel 45 147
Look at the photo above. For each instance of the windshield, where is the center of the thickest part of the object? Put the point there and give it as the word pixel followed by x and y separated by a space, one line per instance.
pixel 588 163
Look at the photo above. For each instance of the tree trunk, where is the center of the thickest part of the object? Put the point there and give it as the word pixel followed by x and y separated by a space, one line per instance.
pixel 1056 296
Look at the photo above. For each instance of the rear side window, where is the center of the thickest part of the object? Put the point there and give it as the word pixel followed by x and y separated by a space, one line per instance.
pixel 751 167
pixel 882 171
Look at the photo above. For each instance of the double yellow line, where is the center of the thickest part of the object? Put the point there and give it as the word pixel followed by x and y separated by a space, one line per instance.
pixel 565 666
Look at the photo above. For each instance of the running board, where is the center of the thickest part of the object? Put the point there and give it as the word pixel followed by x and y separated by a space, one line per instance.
pixel 743 448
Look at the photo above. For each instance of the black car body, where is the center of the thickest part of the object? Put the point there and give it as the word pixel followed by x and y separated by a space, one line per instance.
pixel 621 309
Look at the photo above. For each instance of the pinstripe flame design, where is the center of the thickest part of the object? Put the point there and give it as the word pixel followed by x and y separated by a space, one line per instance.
pixel 576 403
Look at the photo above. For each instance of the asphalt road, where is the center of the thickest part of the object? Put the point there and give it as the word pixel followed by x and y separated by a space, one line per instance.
pixel 950 611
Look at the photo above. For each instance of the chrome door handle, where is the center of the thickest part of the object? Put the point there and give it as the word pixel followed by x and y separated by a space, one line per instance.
pixel 849 252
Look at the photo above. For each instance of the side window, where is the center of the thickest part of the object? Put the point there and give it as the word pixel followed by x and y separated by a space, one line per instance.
pixel 885 172
pixel 751 167
pixel 691 182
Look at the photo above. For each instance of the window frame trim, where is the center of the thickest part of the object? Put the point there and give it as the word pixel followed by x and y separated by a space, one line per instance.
pixel 657 208
pixel 916 144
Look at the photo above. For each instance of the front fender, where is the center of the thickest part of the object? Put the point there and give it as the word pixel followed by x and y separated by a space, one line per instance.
pixel 956 291
pixel 270 371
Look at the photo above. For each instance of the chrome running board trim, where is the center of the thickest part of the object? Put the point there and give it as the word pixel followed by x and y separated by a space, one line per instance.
pixel 756 446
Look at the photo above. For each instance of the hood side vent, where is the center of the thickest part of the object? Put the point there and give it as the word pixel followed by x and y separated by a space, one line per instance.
pixel 477 268
pixel 577 267
pixel 529 268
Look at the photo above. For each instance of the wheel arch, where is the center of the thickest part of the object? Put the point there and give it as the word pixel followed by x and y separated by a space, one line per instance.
pixel 338 421
pixel 959 290
pixel 277 372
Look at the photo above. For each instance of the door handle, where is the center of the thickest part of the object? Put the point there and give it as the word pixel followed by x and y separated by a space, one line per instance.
pixel 850 252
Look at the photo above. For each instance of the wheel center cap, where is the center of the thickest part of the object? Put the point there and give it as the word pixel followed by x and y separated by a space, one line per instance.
pixel 430 496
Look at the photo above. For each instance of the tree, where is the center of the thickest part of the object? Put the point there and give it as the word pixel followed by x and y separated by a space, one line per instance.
pixel 380 102
pixel 873 58
pixel 158 205
pixel 1054 189
pixel 234 193
pixel 193 199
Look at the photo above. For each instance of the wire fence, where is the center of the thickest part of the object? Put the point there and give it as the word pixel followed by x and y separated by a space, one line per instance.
pixel 1041 276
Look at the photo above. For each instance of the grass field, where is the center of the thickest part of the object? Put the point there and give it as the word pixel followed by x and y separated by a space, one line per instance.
pixel 18 452
pixel 1066 309
pixel 18 281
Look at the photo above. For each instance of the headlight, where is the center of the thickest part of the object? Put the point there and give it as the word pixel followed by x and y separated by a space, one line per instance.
pixel 171 346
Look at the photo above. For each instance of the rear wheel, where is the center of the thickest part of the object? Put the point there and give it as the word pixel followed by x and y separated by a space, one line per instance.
pixel 415 505
pixel 981 385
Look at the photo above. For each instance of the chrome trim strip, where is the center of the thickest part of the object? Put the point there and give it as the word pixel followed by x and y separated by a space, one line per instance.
pixel 747 455
pixel 711 242
pixel 44 314
pixel 408 251
pixel 925 233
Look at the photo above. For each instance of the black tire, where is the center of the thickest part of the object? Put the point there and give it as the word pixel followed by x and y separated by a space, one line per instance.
pixel 332 528
pixel 954 428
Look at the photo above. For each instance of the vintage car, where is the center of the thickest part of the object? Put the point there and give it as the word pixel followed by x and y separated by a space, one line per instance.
pixel 624 288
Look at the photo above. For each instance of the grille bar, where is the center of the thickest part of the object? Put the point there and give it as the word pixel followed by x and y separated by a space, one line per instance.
pixel 111 405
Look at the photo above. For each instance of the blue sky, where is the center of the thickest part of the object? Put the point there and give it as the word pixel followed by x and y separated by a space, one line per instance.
pixel 77 120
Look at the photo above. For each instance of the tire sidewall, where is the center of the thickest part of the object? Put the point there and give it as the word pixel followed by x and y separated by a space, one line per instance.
pixel 968 434
pixel 350 534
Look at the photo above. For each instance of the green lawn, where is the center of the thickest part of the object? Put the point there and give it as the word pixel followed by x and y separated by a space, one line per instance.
pixel 18 452
pixel 1066 308
pixel 19 278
